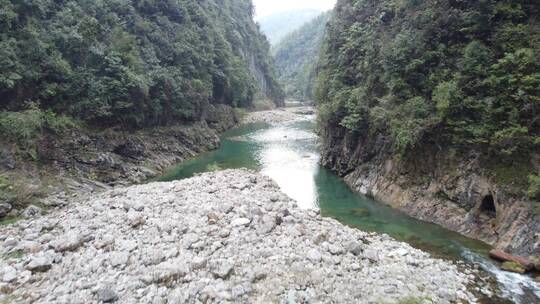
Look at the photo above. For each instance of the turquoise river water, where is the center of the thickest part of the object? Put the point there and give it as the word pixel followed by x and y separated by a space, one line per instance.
pixel 288 153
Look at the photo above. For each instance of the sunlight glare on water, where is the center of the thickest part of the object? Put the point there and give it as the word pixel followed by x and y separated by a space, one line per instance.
pixel 287 159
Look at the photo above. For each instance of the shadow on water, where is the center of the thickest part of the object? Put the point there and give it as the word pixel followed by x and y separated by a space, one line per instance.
pixel 288 154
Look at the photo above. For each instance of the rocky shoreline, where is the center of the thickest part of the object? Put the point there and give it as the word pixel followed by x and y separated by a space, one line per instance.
pixel 228 237
pixel 459 205
pixel 436 186
pixel 87 160
pixel 281 115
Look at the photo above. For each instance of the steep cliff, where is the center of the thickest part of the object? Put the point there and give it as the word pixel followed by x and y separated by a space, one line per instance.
pixel 433 107
pixel 132 63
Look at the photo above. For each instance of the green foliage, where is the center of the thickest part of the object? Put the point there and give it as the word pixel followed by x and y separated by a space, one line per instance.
pixel 534 187
pixel 295 58
pixel 131 63
pixel 409 123
pixel 21 127
pixel 26 126
pixel 17 254
pixel 6 190
pixel 458 74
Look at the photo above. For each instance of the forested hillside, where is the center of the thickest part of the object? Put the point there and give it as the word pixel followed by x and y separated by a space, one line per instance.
pixel 461 76
pixel 277 26
pixel 296 58
pixel 130 63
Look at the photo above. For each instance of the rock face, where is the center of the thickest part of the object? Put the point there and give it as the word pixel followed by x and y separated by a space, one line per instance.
pixel 437 188
pixel 224 237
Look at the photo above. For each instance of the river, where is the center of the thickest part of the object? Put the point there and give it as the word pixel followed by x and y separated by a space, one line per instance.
pixel 288 153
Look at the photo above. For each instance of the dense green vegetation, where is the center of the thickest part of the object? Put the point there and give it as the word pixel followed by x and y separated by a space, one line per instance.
pixel 129 63
pixel 279 25
pixel 296 58
pixel 463 75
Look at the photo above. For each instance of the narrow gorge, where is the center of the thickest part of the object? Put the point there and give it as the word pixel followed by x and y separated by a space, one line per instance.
pixel 248 151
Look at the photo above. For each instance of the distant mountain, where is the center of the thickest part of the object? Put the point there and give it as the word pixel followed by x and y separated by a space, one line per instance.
pixel 277 26
pixel 296 57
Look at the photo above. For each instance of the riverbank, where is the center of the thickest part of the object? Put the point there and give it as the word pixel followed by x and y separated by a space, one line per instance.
pixel 227 236
pixel 58 167
pixel 479 198
pixel 281 115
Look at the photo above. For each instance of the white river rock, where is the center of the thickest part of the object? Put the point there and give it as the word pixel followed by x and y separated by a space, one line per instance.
pixel 242 242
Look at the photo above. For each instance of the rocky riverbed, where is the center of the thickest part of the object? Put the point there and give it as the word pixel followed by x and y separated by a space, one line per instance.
pixel 281 115
pixel 229 237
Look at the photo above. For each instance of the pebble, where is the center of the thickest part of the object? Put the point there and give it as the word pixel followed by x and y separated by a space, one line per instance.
pixel 39 264
pixel 107 295
pixel 245 242
pixel 10 274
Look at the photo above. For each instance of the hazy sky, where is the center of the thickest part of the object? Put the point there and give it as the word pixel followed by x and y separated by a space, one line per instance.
pixel 268 7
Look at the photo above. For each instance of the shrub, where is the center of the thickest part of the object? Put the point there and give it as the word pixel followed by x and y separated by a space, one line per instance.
pixel 26 126
pixel 534 187
pixel 6 194
pixel 21 127
pixel 58 123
